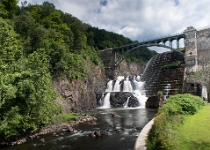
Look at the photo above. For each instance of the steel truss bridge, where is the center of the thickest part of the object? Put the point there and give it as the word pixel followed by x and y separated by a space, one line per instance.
pixel 123 51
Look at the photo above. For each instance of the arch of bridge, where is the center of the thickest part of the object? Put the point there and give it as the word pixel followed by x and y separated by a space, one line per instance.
pixel 117 62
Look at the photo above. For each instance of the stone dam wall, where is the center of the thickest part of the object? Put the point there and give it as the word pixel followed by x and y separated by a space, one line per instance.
pixel 169 81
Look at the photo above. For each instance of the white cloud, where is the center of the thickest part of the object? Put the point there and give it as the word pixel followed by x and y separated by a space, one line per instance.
pixel 141 19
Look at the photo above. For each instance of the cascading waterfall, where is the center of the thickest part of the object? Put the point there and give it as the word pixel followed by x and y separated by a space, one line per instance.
pixel 127 87
pixel 109 86
pixel 106 103
pixel 204 92
pixel 124 84
pixel 117 84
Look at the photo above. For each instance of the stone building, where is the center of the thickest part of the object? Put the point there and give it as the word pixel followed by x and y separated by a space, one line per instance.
pixel 197 47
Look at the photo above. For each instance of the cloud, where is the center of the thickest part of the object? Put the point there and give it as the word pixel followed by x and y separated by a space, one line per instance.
pixel 139 19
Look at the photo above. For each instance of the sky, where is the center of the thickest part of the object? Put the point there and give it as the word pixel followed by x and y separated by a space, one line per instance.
pixel 138 19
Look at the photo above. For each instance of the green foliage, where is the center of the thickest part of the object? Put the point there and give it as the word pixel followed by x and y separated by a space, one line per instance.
pixel 141 55
pixel 66 117
pixel 26 96
pixel 70 44
pixel 8 8
pixel 173 65
pixel 159 93
pixel 101 39
pixel 169 117
pixel 9 45
pixel 12 123
pixel 182 104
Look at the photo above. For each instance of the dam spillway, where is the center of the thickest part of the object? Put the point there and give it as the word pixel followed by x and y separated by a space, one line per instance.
pixel 168 80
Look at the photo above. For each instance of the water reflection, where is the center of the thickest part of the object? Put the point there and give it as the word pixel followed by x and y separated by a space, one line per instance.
pixel 131 120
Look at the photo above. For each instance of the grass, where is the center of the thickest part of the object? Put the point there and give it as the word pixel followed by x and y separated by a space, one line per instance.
pixel 66 117
pixel 194 134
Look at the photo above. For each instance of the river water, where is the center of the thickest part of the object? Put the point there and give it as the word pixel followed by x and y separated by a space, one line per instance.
pixel 131 122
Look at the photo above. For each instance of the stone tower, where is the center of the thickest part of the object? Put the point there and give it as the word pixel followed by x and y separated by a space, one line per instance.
pixel 191 55
pixel 197 47
pixel 191 60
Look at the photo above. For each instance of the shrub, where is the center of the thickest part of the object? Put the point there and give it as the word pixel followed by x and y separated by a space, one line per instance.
pixel 189 104
pixel 159 93
pixel 169 117
pixel 172 65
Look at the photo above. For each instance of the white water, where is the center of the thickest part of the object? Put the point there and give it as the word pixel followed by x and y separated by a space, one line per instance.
pixel 117 84
pixel 125 105
pixel 127 87
pixel 136 87
pixel 109 86
pixel 204 92
pixel 167 88
pixel 141 98
pixel 106 103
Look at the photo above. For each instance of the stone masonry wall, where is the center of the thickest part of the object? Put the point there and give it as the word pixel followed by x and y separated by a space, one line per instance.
pixel 197 47
pixel 157 79
pixel 203 42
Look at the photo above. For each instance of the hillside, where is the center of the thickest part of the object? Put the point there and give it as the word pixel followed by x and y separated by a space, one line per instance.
pixel 46 56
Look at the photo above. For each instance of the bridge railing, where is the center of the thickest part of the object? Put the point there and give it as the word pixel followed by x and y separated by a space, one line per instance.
pixel 162 37
pixel 165 38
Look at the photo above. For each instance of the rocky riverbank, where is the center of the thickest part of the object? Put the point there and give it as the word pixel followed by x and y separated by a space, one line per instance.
pixel 55 129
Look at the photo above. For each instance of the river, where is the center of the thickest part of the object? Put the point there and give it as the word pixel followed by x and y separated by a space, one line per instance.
pixel 131 121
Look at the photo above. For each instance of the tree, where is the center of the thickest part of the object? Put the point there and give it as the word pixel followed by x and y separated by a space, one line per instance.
pixel 27 99
pixel 10 47
pixel 8 8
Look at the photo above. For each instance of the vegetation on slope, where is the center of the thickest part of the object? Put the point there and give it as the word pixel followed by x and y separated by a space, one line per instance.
pixel 26 96
pixel 169 118
pixel 141 56
pixel 39 43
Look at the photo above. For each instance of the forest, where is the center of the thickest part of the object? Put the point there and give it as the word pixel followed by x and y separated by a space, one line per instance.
pixel 39 44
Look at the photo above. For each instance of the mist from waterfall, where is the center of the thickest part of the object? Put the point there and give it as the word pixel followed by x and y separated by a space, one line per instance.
pixel 125 84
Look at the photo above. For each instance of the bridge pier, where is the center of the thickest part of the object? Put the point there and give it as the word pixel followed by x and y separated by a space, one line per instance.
pixel 109 57
pixel 177 43
pixel 170 43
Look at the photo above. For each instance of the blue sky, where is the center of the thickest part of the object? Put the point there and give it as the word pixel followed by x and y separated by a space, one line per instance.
pixel 138 19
